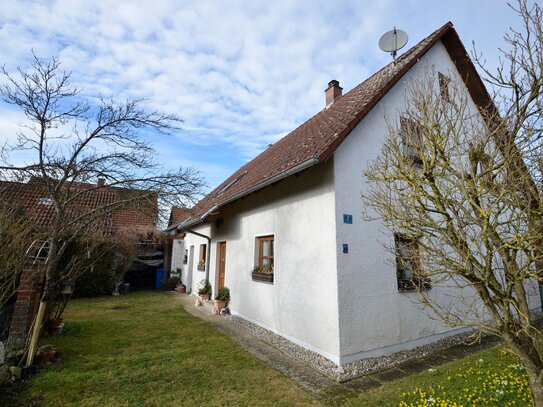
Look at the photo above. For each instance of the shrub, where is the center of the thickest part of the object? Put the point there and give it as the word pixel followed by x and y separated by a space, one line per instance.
pixel 223 294
pixel 204 287
pixel 90 263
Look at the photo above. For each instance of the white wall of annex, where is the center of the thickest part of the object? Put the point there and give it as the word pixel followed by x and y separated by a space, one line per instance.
pixel 191 275
pixel 178 251
pixel 374 317
pixel 301 304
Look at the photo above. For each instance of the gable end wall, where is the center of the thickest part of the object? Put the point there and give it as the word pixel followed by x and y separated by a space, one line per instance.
pixel 375 319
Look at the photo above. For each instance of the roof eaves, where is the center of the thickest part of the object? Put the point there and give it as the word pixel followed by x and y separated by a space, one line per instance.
pixel 468 72
pixel 291 171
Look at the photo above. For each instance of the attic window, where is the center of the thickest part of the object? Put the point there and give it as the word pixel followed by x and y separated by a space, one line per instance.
pixel 223 189
pixel 45 201
pixel 412 139
pixel 444 86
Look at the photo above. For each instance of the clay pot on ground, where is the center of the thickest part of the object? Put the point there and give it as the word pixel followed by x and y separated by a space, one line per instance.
pixel 205 297
pixel 56 323
pixel 47 358
pixel 218 305
pixel 181 289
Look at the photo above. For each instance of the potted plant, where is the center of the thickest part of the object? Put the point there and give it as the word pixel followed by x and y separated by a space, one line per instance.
pixel 221 299
pixel 169 284
pixel 201 265
pixel 204 290
pixel 263 273
pixel 181 288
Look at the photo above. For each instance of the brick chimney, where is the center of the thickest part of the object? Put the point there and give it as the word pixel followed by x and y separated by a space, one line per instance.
pixel 101 182
pixel 333 92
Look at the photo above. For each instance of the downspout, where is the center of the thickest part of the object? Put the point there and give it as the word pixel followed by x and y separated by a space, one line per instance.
pixel 208 252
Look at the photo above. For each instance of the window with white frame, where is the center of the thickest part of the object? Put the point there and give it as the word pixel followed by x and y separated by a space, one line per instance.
pixel 408 267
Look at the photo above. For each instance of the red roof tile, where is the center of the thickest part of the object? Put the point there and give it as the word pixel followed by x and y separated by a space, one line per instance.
pixel 32 199
pixel 178 215
pixel 316 139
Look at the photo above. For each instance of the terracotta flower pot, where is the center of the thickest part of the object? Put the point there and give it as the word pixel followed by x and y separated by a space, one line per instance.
pixel 181 289
pixel 218 306
pixel 205 297
pixel 56 323
pixel 47 358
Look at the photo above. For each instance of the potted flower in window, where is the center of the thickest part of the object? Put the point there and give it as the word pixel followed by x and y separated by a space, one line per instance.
pixel 204 290
pixel 221 300
pixel 201 265
pixel 263 273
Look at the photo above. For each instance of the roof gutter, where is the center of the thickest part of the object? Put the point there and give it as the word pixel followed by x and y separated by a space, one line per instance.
pixel 291 171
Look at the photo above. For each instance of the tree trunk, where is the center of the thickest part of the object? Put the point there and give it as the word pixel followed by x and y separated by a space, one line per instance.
pixel 525 349
pixel 536 386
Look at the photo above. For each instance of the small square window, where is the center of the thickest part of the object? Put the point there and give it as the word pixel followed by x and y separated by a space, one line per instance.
pixel 412 139
pixel 444 86
pixel 408 270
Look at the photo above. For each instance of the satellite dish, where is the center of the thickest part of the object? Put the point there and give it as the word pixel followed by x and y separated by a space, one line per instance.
pixel 392 41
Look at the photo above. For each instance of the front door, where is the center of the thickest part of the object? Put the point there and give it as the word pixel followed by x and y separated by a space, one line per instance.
pixel 222 263
pixel 190 265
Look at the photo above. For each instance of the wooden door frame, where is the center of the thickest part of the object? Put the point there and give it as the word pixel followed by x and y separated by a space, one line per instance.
pixel 219 263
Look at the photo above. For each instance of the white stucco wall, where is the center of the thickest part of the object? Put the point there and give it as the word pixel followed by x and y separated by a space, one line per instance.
pixel 301 304
pixel 178 251
pixel 375 318
pixel 345 306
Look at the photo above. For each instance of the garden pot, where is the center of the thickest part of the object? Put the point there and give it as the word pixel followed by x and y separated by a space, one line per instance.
pixel 47 358
pixel 218 306
pixel 205 297
pixel 56 323
pixel 181 289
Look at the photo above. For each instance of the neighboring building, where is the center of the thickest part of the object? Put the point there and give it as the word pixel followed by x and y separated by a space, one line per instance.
pixel 174 258
pixel 294 213
pixel 32 200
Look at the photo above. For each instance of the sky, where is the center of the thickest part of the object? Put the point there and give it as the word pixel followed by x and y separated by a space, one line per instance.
pixel 241 74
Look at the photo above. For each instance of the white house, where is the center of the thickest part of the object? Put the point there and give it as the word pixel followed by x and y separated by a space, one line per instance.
pixel 296 208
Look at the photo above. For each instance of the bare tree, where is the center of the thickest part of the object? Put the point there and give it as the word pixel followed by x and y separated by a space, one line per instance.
pixel 460 186
pixel 73 143
pixel 16 235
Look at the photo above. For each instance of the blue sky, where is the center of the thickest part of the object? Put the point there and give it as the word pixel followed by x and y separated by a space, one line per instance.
pixel 241 74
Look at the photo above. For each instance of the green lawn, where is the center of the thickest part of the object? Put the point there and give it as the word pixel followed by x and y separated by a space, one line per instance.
pixel 143 349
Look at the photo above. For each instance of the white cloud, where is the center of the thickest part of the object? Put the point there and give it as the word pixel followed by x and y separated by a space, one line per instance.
pixel 239 73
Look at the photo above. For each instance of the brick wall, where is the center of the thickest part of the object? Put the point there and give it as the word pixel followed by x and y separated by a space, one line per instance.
pixel 26 306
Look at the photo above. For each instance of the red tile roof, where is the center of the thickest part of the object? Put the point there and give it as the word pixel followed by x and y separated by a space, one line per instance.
pixel 317 139
pixel 32 199
pixel 178 215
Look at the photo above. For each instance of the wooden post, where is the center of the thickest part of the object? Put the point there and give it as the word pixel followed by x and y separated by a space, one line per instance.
pixel 36 333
